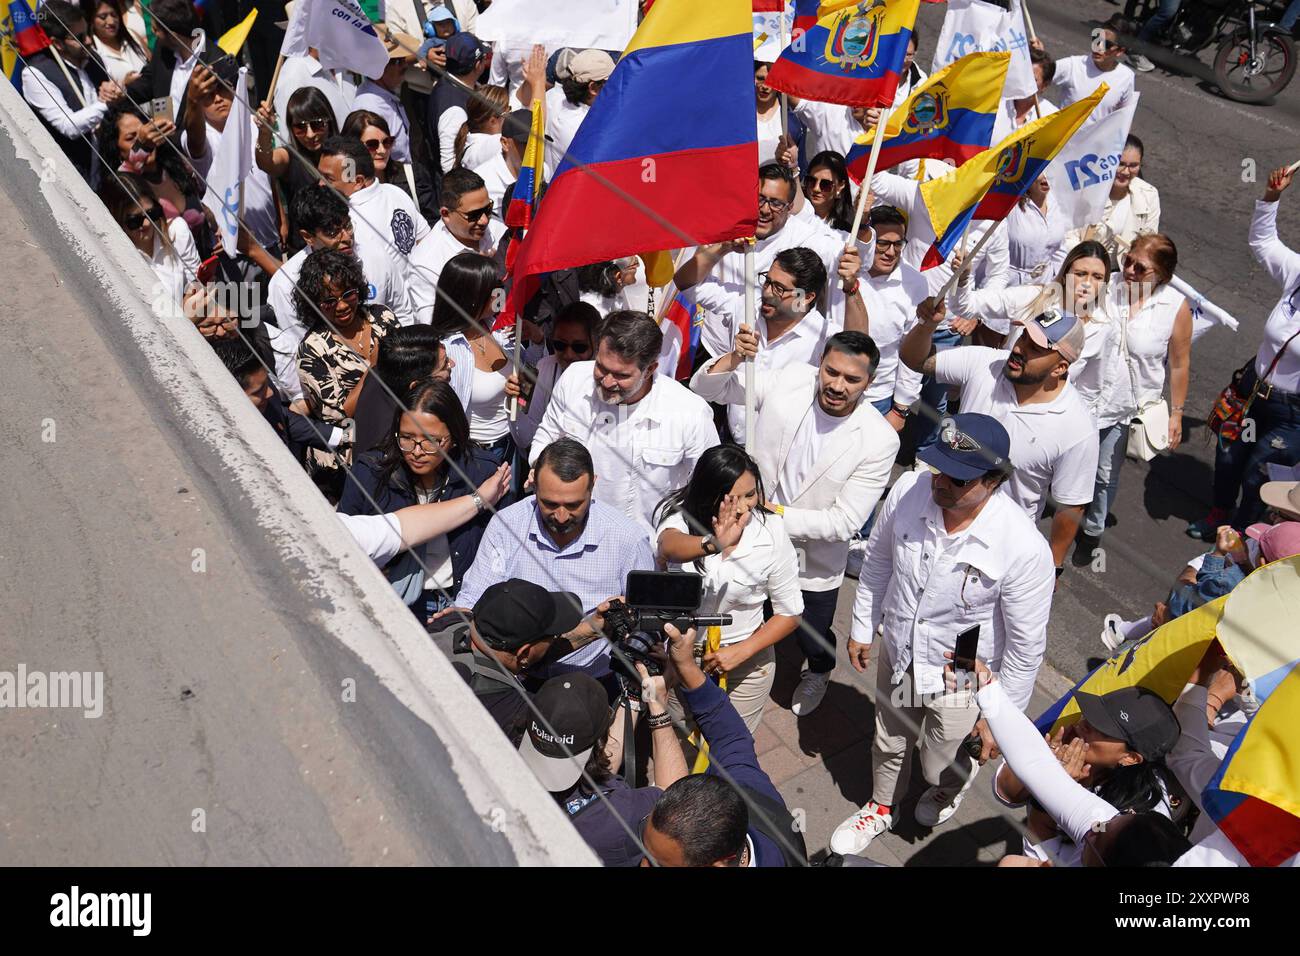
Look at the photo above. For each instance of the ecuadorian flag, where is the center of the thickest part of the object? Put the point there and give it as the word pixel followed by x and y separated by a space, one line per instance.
pixel 949 116
pixel 523 199
pixel 668 153
pixel 988 186
pixel 846 51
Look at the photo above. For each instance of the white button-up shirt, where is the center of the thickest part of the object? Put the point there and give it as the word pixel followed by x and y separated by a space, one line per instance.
pixel 1036 241
pixel 891 302
pixel 641 452
pixel 1283 266
pixel 1053 444
pixel 763 566
pixel 70 119
pixel 925 587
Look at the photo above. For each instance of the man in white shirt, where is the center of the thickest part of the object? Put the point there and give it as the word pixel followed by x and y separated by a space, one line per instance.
pixel 587 74
pixel 380 95
pixel 466 225
pixel 948 554
pixel 1014 113
pixel 1078 76
pixel 385 219
pixel 825 456
pixel 69 112
pixel 645 431
pixel 1053 435
pixel 716 272
pixel 502 170
pixel 447 112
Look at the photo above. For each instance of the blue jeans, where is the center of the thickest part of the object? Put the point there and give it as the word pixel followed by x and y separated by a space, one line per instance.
pixel 1242 466
pixel 1113 444
pixel 1163 17
pixel 1291 17
pixel 934 394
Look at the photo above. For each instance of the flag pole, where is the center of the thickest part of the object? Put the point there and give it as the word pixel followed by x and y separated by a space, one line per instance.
pixel 1293 167
pixel 966 261
pixel 519 332
pixel 785 99
pixel 749 362
pixel 76 87
pixel 872 160
pixel 275 78
pixel 1029 25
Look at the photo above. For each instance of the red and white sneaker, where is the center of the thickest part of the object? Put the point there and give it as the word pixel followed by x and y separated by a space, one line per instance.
pixel 855 834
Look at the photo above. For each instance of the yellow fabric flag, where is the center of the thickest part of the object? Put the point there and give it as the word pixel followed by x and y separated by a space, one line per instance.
pixel 232 41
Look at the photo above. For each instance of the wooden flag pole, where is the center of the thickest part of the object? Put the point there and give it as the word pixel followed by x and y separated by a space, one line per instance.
pixel 76 87
pixel 1293 167
pixel 519 333
pixel 750 438
pixel 872 160
pixel 275 78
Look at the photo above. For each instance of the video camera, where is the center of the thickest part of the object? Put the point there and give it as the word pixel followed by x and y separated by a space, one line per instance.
pixel 635 626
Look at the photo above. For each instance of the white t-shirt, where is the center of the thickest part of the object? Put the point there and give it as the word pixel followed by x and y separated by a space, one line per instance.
pixel 891 306
pixel 1053 444
pixel 497 177
pixel 805 450
pixel 769 131
pixel 1077 77
pixel 488 419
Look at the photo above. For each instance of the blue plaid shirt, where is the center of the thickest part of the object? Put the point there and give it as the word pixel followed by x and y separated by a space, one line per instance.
pixel 594 566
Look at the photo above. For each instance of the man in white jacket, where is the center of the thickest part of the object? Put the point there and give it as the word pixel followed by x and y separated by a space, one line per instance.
pixel 825 456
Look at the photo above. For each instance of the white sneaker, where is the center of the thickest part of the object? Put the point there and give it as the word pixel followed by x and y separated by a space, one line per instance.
pixel 1110 635
pixel 808 695
pixel 857 552
pixel 937 805
pixel 855 834
pixel 1140 63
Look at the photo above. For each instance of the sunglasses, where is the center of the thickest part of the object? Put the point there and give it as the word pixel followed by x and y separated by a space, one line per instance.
pixel 474 215
pixel 137 219
pixel 577 347
pixel 350 297
pixel 315 126
pixel 374 144
pixel 1137 268
pixel 816 182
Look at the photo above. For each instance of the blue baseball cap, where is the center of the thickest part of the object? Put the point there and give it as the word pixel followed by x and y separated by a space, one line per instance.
pixel 464 52
pixel 969 446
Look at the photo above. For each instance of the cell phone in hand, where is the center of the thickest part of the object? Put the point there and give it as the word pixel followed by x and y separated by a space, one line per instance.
pixel 964 654
pixel 160 108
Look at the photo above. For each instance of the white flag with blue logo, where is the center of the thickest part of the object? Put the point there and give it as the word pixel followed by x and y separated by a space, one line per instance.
pixel 231 165
pixel 340 32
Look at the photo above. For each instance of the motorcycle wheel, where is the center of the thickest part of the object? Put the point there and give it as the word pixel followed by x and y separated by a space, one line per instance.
pixel 1248 81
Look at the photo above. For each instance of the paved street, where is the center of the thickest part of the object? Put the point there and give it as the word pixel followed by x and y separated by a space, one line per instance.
pixel 1196 144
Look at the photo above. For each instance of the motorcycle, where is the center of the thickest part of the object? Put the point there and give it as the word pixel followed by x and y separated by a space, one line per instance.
pixel 1255 58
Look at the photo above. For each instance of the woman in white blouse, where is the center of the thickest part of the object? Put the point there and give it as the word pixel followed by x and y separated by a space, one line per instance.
pixel 1150 347
pixel 717 527
pixel 1080 284
pixel 123 57
pixel 1132 210
pixel 167 246
pixel 1035 234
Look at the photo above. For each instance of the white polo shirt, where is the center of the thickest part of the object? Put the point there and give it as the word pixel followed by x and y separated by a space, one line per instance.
pixel 1053 444
pixel 388 225
pixel 891 312
pixel 641 452
pixel 431 256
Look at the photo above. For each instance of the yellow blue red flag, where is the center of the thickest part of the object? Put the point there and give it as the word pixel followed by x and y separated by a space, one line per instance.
pixel 949 116
pixel 846 51
pixel 987 186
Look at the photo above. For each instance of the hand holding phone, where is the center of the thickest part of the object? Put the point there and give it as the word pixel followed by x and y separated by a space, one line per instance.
pixel 964 656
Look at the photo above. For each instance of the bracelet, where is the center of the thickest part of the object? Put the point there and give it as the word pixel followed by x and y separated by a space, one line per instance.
pixel 1218 706
pixel 659 721
pixel 901 409
pixel 478 501
pixel 1176 408
pixel 853 290
pixel 633 704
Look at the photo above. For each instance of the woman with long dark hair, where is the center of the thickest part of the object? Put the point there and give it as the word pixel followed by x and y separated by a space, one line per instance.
pixel 122 56
pixel 426 457
pixel 166 245
pixel 828 190
pixel 717 526
pixel 309 117
pixel 603 284
pixel 373 132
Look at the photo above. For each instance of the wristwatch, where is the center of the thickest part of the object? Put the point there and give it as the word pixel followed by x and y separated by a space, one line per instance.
pixel 709 543
pixel 478 500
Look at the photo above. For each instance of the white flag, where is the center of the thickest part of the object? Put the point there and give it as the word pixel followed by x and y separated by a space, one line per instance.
pixel 231 165
pixel 181 74
pixel 972 26
pixel 341 33
pixel 1082 173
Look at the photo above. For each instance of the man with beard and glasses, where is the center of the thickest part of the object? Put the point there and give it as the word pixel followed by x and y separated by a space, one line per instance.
pixel 825 456
pixel 1053 437
pixel 645 431
pixel 566 542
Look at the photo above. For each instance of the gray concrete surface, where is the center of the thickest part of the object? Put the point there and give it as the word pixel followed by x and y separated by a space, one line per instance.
pixel 229 735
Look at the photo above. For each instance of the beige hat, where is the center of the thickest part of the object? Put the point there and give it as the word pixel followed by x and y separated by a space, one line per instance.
pixel 288 15
pixel 1283 496
pixel 401 46
pixel 591 66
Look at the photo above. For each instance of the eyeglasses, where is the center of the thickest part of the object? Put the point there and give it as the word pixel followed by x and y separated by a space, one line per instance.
pixel 766 283
pixel 374 144
pixel 137 219
pixel 777 205
pixel 577 347
pixel 426 445
pixel 816 182
pixel 1137 268
pixel 333 230
pixel 350 297
pixel 891 244
pixel 474 215
pixel 314 125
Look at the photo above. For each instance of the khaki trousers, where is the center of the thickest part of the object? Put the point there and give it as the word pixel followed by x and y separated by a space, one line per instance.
pixel 748 687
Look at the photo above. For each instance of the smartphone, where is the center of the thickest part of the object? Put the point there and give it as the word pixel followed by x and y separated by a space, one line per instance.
pixel 966 650
pixel 160 108
pixel 208 269
pixel 664 590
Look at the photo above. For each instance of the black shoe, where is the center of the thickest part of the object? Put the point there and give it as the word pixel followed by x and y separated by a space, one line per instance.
pixel 1084 546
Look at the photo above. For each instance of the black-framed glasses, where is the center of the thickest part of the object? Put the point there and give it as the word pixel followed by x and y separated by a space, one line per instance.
pixel 426 445
pixel 475 215
pixel 577 346
pixel 374 144
pixel 776 205
pixel 898 244
pixel 313 125
pixel 766 282
pixel 137 219
pixel 351 297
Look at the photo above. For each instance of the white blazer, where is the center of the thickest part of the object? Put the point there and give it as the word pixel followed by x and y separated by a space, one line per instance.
pixel 851 472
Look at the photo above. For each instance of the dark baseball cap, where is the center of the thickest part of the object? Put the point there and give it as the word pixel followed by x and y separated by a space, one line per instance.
pixel 574 713
pixel 1136 715
pixel 464 51
pixel 518 126
pixel 969 445
pixel 513 613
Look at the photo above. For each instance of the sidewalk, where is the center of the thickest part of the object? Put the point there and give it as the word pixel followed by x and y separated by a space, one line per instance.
pixel 822 766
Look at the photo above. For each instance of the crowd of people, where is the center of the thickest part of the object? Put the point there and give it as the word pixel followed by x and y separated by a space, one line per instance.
pixel 508 483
